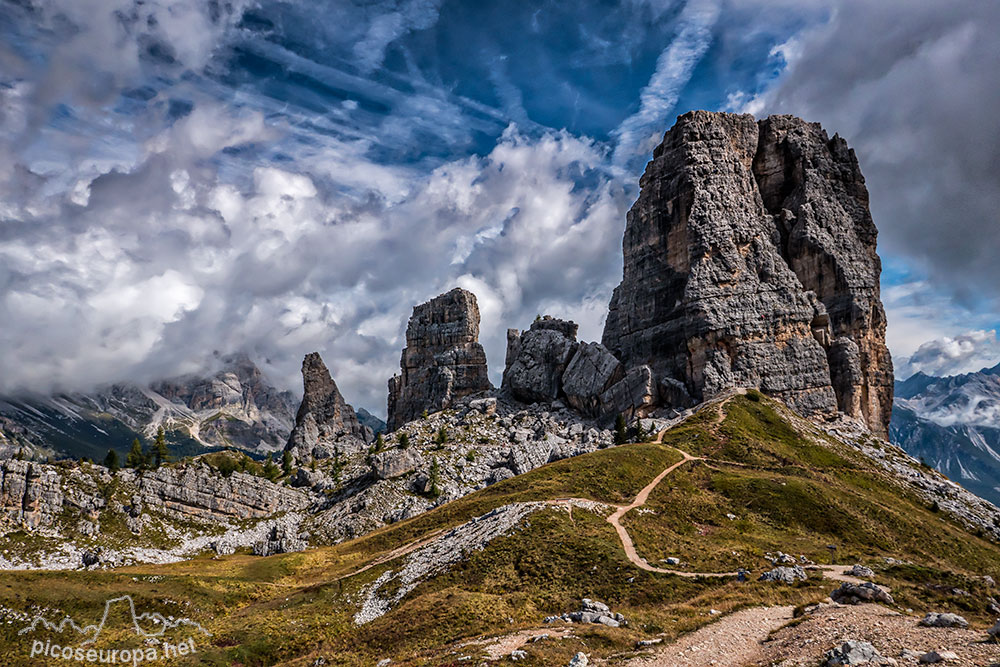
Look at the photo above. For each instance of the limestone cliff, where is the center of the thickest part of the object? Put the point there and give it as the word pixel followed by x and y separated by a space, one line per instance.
pixel 749 260
pixel 443 360
pixel 325 424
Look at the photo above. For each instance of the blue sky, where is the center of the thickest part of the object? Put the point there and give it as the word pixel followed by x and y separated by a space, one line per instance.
pixel 183 177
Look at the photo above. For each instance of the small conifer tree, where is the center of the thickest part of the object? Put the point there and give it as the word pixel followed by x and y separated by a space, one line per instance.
pixel 111 461
pixel 136 458
pixel 621 430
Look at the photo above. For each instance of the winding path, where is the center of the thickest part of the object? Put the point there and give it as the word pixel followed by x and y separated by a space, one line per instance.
pixel 615 519
pixel 640 500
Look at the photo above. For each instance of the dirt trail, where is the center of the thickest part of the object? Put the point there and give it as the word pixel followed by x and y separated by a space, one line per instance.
pixel 404 550
pixel 640 500
pixel 732 640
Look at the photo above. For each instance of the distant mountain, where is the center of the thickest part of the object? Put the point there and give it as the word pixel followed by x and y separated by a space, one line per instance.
pixel 953 424
pixel 371 421
pixel 234 407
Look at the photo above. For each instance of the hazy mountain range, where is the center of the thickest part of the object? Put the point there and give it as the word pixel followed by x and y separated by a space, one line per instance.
pixel 953 424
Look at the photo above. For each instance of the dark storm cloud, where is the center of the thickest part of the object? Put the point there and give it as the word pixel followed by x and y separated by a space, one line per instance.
pixel 915 88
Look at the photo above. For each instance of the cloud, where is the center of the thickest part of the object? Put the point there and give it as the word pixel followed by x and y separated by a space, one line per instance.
pixel 393 21
pixel 176 180
pixel 640 132
pixel 167 263
pixel 913 87
pixel 964 353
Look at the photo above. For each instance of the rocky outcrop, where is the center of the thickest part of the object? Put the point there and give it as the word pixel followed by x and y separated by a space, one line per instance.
pixel 851 593
pixel 944 620
pixel 196 490
pixel 280 539
pixel 537 359
pixel 814 187
pixel 443 360
pixel 438 556
pixel 785 575
pixel 546 364
pixel 853 652
pixel 396 463
pixel 749 260
pixel 30 493
pixel 591 372
pixel 325 424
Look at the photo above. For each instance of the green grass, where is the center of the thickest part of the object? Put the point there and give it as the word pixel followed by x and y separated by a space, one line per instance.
pixel 788 490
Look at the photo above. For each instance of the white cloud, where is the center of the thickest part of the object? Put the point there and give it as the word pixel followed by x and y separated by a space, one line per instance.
pixel 963 353
pixel 642 131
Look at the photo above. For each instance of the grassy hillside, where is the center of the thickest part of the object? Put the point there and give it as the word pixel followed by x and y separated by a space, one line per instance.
pixel 788 490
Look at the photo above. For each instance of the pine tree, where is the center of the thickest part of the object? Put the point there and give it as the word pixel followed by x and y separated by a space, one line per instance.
pixel 136 458
pixel 286 462
pixel 160 452
pixel 442 436
pixel 435 478
pixel 271 471
pixel 379 443
pixel 404 440
pixel 111 461
pixel 621 430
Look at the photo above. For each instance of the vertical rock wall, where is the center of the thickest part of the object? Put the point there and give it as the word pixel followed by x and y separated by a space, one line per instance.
pixel 325 424
pixel 749 260
pixel 443 360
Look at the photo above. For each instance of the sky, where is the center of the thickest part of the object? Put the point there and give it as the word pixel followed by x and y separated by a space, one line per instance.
pixel 184 178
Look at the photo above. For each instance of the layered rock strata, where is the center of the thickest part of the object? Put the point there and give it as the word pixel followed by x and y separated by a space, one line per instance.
pixel 325 425
pixel 749 260
pixel 443 361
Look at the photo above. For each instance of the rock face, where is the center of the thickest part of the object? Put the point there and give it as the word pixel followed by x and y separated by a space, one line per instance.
pixel 255 414
pixel 546 363
pixel 325 424
pixel 197 490
pixel 537 359
pixel 749 260
pixel 443 360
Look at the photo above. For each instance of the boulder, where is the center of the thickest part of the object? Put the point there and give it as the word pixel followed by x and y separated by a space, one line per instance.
pixel 854 652
pixel 849 593
pixel 861 571
pixel 591 372
pixel 396 463
pixel 785 575
pixel 631 395
pixel 943 620
pixel 934 657
pixel 537 359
